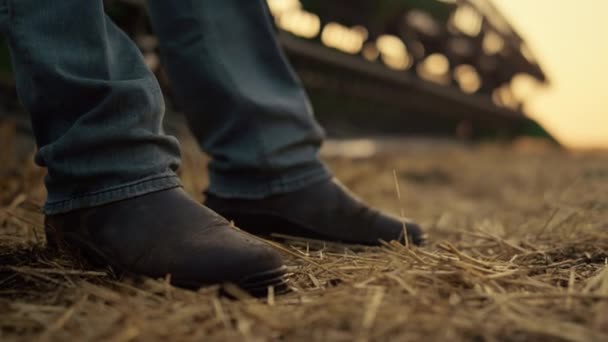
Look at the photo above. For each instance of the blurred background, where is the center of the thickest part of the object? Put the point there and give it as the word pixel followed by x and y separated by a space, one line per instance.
pixel 570 38
pixel 469 69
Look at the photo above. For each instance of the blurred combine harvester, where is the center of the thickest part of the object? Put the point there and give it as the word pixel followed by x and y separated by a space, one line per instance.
pixel 415 66
pixel 430 67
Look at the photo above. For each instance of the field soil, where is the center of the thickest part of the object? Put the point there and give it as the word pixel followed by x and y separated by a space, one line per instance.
pixel 517 251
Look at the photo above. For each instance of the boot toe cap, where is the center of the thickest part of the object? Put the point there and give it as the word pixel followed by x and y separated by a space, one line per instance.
pixel 392 229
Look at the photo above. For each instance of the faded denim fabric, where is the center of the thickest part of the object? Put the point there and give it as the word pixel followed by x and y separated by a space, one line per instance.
pixel 243 101
pixel 97 110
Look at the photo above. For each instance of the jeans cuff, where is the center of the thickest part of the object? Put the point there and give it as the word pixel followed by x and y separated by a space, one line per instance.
pixel 239 186
pixel 121 192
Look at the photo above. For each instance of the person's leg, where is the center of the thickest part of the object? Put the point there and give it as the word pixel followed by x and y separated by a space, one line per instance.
pixel 97 111
pixel 244 103
pixel 250 112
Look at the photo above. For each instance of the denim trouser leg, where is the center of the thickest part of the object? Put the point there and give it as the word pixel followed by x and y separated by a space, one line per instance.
pixel 96 109
pixel 243 101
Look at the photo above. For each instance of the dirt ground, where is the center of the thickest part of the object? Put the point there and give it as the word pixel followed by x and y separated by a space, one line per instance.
pixel 517 251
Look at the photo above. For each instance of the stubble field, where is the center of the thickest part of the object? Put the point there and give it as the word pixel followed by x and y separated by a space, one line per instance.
pixel 517 251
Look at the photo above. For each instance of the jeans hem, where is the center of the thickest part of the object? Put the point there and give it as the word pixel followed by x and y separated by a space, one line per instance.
pixel 224 186
pixel 114 194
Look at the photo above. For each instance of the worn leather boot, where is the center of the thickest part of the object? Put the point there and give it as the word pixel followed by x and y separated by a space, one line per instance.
pixel 167 232
pixel 325 211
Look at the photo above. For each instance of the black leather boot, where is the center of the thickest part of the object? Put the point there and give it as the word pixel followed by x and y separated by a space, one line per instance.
pixel 325 211
pixel 167 232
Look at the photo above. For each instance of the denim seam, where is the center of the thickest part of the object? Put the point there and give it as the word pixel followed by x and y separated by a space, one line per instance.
pixel 277 186
pixel 96 198
pixel 274 188
pixel 113 188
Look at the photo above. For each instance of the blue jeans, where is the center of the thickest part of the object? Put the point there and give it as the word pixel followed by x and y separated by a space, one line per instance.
pixel 97 110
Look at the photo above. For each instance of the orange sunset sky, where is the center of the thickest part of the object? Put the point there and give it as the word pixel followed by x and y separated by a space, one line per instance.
pixel 570 38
